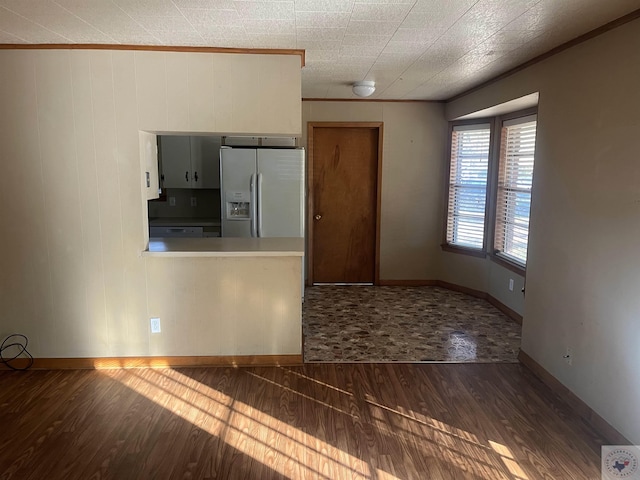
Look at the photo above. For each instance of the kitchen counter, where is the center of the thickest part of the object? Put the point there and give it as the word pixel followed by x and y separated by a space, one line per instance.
pixel 225 247
pixel 184 222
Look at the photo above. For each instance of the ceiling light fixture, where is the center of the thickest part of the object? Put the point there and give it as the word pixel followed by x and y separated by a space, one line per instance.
pixel 364 88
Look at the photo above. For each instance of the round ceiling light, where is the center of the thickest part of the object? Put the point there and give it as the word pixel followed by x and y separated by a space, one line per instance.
pixel 364 88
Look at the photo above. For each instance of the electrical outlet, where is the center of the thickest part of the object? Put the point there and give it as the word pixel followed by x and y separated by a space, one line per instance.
pixel 511 284
pixel 194 202
pixel 568 356
pixel 172 201
pixel 155 325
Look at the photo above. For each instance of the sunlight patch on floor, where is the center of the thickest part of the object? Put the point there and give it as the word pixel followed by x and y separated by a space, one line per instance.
pixel 294 453
pixel 508 459
pixel 283 448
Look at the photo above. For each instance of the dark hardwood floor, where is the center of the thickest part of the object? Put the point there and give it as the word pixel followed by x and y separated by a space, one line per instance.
pixel 326 421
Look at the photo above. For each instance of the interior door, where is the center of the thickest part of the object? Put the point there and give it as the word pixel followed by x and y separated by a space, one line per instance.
pixel 345 173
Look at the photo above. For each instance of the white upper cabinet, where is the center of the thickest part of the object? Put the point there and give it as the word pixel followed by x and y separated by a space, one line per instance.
pixel 190 162
pixel 149 163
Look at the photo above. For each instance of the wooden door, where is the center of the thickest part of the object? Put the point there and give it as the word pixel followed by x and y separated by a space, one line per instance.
pixel 344 207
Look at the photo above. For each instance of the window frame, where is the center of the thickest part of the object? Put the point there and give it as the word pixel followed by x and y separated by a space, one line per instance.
pixel 488 250
pixel 502 258
pixel 445 245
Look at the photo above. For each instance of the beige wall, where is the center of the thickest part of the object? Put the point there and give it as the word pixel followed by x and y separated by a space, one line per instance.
pixel 225 306
pixel 220 93
pixel 73 212
pixel 412 179
pixel 465 270
pixel 584 257
pixel 499 287
pixel 485 275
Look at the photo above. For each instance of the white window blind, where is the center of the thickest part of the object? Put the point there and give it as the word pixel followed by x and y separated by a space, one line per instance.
pixel 515 175
pixel 468 185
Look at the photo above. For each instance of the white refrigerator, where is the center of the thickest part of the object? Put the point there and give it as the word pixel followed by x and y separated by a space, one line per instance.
pixel 262 192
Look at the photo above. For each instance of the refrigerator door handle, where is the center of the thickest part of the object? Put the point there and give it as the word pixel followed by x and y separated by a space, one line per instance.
pixel 259 205
pixel 252 190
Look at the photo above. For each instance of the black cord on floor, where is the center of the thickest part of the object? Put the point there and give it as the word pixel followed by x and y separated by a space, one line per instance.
pixel 21 346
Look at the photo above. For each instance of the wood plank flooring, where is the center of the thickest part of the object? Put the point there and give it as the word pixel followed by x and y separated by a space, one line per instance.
pixel 324 421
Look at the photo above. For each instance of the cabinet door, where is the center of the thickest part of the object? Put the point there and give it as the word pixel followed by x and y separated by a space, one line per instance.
pixel 175 152
pixel 149 164
pixel 205 162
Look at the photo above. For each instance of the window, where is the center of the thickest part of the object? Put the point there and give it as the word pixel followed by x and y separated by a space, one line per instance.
pixel 515 175
pixel 468 185
pixel 490 179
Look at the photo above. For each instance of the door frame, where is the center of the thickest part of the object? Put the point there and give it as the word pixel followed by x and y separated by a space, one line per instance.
pixel 310 206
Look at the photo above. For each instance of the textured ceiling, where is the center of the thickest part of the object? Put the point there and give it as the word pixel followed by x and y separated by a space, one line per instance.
pixel 412 49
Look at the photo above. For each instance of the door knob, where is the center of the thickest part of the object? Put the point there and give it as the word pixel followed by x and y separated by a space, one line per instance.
pixel 318 217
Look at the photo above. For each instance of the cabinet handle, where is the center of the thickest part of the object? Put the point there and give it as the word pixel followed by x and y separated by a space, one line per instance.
pixel 186 176
pixel 195 176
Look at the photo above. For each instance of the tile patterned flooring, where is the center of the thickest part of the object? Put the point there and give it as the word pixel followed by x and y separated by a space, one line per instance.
pixel 404 324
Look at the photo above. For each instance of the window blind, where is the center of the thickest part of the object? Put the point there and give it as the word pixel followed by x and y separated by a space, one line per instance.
pixel 515 176
pixel 468 185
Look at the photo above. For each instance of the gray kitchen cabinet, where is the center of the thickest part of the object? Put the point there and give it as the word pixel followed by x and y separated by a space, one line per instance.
pixel 190 162
pixel 205 156
pixel 175 153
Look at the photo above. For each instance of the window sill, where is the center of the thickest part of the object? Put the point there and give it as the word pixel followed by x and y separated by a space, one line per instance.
pixel 473 252
pixel 508 264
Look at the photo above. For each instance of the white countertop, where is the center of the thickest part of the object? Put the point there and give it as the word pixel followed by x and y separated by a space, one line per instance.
pixel 184 222
pixel 225 247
